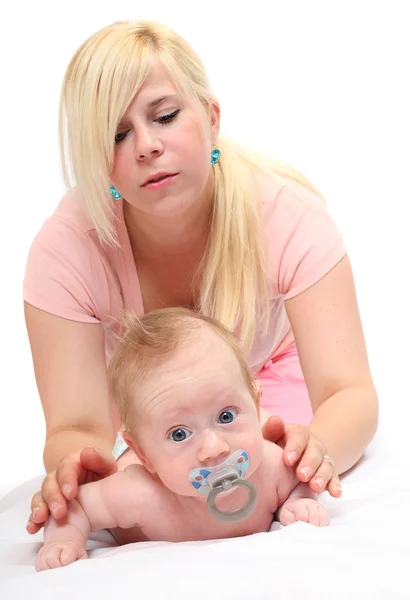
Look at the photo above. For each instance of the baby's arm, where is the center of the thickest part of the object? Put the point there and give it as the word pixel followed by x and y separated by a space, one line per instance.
pixel 302 505
pixel 116 501
pixel 296 501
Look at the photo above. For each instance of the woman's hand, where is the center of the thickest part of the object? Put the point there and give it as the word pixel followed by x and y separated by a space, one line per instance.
pixel 62 484
pixel 301 445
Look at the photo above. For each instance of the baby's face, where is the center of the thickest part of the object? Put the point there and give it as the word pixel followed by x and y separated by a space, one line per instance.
pixel 195 410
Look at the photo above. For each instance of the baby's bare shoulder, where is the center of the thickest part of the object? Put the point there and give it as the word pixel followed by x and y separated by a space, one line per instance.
pixel 274 454
pixel 153 495
pixel 284 477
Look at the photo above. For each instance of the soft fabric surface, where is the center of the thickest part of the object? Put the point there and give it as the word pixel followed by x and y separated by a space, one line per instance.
pixel 363 554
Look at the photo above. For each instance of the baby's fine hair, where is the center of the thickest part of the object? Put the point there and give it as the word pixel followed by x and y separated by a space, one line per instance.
pixel 146 340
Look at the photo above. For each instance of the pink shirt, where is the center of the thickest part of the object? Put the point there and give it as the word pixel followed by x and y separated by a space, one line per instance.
pixel 71 275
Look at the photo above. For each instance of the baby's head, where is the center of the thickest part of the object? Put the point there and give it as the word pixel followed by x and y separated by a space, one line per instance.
pixel 186 396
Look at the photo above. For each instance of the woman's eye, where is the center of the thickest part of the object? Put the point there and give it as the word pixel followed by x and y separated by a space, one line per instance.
pixel 227 416
pixel 166 119
pixel 120 136
pixel 179 435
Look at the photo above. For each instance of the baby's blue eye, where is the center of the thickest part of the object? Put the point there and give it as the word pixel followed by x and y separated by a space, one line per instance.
pixel 179 435
pixel 227 416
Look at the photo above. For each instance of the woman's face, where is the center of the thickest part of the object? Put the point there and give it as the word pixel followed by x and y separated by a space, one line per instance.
pixel 161 132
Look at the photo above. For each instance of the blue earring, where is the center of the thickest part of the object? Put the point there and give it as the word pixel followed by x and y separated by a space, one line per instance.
pixel 215 156
pixel 115 193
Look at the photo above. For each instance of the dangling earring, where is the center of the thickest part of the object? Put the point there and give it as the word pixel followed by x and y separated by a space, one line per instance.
pixel 215 156
pixel 115 193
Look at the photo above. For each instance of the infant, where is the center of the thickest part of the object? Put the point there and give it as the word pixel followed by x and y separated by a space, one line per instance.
pixel 189 406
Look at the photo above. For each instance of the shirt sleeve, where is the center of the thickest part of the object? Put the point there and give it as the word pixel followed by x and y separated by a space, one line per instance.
pixel 303 241
pixel 61 272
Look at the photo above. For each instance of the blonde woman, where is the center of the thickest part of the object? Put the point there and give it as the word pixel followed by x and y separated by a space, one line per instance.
pixel 160 212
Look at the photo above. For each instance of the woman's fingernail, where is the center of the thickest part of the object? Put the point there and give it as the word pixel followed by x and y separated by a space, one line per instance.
pixel 319 481
pixel 66 489
pixel 292 457
pixel 54 508
pixel 307 472
pixel 34 514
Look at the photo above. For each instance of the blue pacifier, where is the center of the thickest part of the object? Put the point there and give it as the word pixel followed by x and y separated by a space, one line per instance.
pixel 213 481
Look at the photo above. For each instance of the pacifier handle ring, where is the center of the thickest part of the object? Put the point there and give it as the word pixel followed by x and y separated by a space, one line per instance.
pixel 239 514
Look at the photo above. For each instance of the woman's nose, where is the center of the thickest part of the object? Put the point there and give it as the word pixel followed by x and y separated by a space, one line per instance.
pixel 213 447
pixel 146 144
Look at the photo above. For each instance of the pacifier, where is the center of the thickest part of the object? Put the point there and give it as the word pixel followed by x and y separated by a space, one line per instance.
pixel 213 481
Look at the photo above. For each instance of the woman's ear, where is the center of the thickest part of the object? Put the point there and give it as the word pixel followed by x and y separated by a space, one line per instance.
pixel 215 120
pixel 130 441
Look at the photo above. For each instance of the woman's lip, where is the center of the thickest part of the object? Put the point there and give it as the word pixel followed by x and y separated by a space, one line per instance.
pixel 156 185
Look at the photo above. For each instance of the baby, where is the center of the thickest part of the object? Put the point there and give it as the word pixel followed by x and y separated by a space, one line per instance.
pixel 190 409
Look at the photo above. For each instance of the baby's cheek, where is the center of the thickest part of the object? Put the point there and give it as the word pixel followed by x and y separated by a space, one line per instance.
pixel 175 479
pixel 255 452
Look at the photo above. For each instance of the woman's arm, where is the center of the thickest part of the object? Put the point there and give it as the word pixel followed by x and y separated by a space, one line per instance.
pixel 71 375
pixel 329 337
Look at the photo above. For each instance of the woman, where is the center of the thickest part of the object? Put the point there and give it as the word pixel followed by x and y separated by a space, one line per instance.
pixel 166 213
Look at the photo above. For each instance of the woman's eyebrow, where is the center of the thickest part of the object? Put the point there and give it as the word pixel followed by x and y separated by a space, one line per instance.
pixel 157 101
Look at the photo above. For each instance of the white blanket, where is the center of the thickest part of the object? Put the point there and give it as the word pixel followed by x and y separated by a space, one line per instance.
pixel 363 554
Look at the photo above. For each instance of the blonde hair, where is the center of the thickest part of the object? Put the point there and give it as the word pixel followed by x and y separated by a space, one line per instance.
pixel 101 80
pixel 147 340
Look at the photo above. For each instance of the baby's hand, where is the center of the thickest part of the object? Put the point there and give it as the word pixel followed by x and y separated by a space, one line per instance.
pixel 303 509
pixel 59 554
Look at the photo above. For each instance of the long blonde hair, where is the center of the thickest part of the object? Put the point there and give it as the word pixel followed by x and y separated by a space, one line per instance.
pixel 101 80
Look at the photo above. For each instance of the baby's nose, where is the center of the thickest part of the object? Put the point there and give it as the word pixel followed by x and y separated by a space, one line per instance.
pixel 213 448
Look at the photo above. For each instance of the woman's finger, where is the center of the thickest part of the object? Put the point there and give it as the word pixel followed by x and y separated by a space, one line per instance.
pixel 53 497
pixel 322 476
pixel 334 487
pixel 39 509
pixel 38 506
pixel 296 443
pixel 39 514
pixel 70 472
pixel 97 462
pixel 274 429
pixel 32 527
pixel 311 460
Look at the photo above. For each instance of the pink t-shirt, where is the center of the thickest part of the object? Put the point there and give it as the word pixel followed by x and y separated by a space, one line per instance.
pixel 71 275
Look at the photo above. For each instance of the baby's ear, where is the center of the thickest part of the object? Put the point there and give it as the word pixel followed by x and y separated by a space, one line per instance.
pixel 130 440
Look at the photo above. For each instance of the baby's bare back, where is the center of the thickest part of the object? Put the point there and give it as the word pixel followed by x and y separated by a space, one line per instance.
pixel 168 517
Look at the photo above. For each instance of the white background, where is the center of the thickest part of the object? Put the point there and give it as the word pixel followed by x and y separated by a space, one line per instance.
pixel 322 85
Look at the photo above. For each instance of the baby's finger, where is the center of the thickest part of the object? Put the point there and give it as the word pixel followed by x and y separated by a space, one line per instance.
pixel 295 446
pixel 53 557
pixel 314 514
pixel 70 554
pixel 324 517
pixel 40 564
